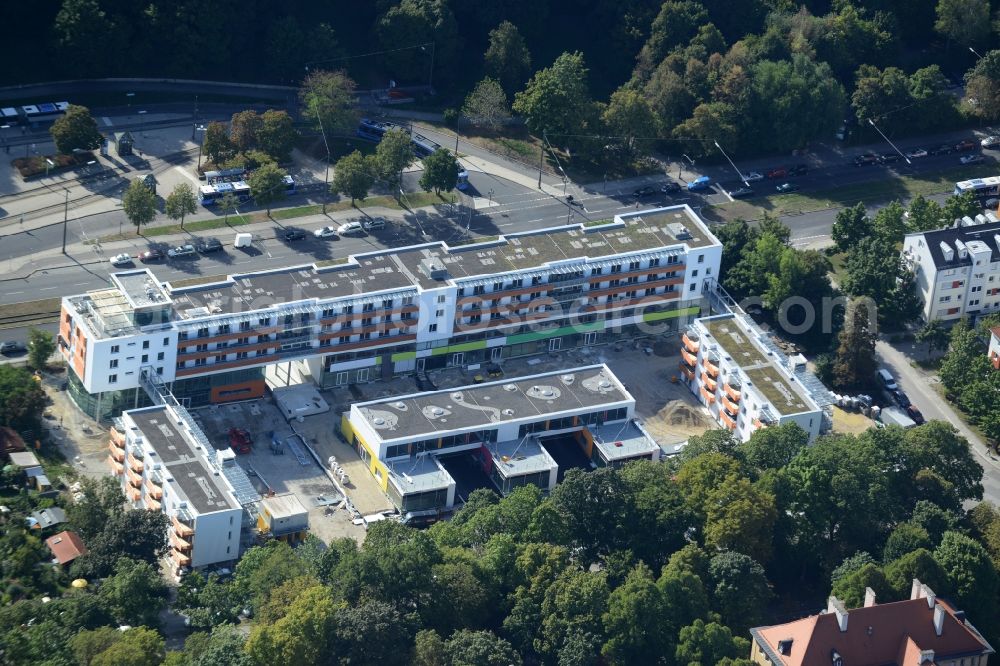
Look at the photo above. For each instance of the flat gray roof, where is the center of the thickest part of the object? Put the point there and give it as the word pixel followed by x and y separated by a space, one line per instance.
pixel 518 458
pixel 419 415
pixel 181 461
pixel 617 442
pixel 401 268
pixel 422 474
pixel 760 369
pixel 140 288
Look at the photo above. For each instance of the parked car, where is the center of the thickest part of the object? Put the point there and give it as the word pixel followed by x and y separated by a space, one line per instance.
pixel 670 187
pixel 901 398
pixel 293 234
pixel 121 260
pixel 646 191
pixel 150 255
pixel 889 158
pixel 753 177
pixel 785 188
pixel 967 144
pixel 325 232
pixel 240 440
pixel 916 153
pixel 866 160
pixel 181 251
pixel 12 347
pixel 943 149
pixel 741 192
pixel 888 381
pixel 373 224
pixel 207 245
pixel 915 414
pixel 350 228
pixel 798 170
pixel 698 184
pixel 971 159
pixel 992 141
pixel 779 172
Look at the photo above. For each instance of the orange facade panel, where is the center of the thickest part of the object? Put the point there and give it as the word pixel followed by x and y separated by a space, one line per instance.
pixel 249 390
pixel 686 371
pixel 711 369
pixel 180 559
pixel 151 503
pixel 180 528
pixel 706 396
pixel 730 406
pixel 116 468
pixel 689 358
pixel 727 420
pixel 689 344
pixel 709 382
pixel 117 454
pixel 733 393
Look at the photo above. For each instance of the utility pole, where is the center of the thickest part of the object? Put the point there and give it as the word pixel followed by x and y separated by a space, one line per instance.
pixel 541 161
pixel 458 125
pixel 65 220
pixel 326 175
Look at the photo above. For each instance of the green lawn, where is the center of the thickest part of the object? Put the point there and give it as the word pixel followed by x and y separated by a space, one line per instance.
pixel 881 191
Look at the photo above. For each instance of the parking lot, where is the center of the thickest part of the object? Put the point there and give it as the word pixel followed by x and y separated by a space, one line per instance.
pixel 287 472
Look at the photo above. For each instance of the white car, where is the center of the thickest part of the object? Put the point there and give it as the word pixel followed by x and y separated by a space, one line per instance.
pixel 181 251
pixel 916 153
pixel 970 159
pixel 992 141
pixel 373 224
pixel 325 232
pixel 753 177
pixel 121 260
pixel 350 228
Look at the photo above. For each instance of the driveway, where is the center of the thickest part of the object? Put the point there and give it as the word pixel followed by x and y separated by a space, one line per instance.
pixel 920 386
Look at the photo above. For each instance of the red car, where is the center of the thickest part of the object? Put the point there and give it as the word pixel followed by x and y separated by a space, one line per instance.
pixel 150 255
pixel 240 440
pixel 965 145
pixel 779 172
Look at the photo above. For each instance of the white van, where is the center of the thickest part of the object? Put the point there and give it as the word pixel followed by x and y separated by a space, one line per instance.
pixel 243 240
pixel 887 379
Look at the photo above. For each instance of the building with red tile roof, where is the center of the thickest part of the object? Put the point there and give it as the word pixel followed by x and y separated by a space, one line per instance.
pixel 921 631
pixel 66 546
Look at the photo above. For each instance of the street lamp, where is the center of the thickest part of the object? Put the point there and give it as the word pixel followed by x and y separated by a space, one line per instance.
pixel 194 129
pixel 975 53
pixel 901 154
pixel 48 165
pixel 430 79
pixel 735 168
pixel 326 173
pixel 65 219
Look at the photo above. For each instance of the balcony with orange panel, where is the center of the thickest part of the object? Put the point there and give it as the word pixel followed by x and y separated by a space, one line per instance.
pixel 179 558
pixel 709 382
pixel 134 494
pixel 708 397
pixel 116 453
pixel 690 342
pixel 181 528
pixel 151 503
pixel 116 467
pixel 689 358
pixel 134 479
pixel 727 420
pixel 154 489
pixel 729 406
pixel 732 390
pixel 117 437
pixel 135 464
pixel 687 371
pixel 179 544
pixel 711 366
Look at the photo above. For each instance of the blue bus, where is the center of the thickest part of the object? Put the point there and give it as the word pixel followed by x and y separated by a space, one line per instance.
pixel 225 176
pixel 422 146
pixel 210 195
pixel 373 130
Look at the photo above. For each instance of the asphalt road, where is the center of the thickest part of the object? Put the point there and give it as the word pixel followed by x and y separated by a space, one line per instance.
pixel 919 386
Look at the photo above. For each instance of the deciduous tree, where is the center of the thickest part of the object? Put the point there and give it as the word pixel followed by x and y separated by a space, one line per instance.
pixel 135 594
pixel 440 171
pixel 267 185
pixel 487 105
pixel 965 22
pixel 244 130
pixel 75 130
pixel 139 204
pixel 41 346
pixel 855 365
pixel 328 101
pixel 353 176
pixel 557 98
pixel 982 86
pixel 180 203
pixel 507 57
pixel 216 143
pixel 277 134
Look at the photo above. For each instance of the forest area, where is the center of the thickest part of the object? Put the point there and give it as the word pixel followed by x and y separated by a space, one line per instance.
pixel 759 75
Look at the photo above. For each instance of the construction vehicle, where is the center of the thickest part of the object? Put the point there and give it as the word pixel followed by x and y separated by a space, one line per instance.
pixel 240 440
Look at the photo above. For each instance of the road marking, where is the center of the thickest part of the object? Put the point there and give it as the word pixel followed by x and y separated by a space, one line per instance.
pixel 80 284
pixel 184 172
pixel 12 293
pixel 47 288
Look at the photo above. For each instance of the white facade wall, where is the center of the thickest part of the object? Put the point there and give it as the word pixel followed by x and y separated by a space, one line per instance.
pixel 216 537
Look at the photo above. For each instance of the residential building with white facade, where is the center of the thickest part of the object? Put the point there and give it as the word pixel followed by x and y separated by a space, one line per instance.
pixel 957 270
pixel 389 312
pixel 165 463
pixel 512 424
pixel 744 380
